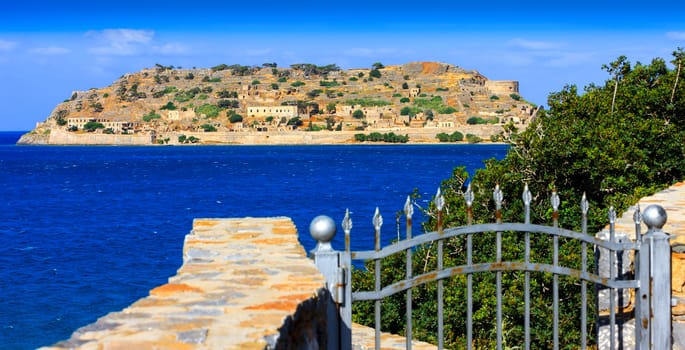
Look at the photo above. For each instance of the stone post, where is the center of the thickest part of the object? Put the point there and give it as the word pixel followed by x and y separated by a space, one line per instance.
pixel 659 256
pixel 327 260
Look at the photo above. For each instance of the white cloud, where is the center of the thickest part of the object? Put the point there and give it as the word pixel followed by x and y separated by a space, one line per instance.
pixel 121 42
pixel 7 45
pixel 676 35
pixel 49 51
pixel 170 49
pixel 533 45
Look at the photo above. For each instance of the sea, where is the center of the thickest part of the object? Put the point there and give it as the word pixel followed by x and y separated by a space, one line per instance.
pixel 88 230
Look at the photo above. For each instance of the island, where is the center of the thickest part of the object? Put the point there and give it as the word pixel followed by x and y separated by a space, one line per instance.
pixel 417 102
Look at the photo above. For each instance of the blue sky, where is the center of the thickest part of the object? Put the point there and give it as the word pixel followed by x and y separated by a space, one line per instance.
pixel 48 50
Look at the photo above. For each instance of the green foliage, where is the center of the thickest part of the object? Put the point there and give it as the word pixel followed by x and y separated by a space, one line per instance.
pixel 453 137
pixel 295 121
pixel 378 65
pixel 227 94
pixel 410 111
pixel 579 146
pixel 151 116
pixel 515 97
pixel 235 118
pixel 209 110
pixel 358 114
pixel 309 68
pixel 326 83
pixel 314 93
pixel 471 138
pixel 208 127
pixel 475 120
pixel 494 97
pixel 297 84
pixel 168 106
pixel 92 126
pixel 353 79
pixel 366 102
pixel 223 104
pixel 274 86
pixel 378 137
pixel 375 73
pixel 404 100
pixel 256 82
pixel 282 79
pixel 442 89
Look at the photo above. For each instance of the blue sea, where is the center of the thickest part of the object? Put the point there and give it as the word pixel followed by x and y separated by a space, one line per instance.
pixel 88 230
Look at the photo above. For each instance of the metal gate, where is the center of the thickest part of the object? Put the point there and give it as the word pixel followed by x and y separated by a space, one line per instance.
pixel 650 279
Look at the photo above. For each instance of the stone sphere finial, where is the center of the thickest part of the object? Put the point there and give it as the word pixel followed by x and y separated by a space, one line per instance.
pixel 322 229
pixel 654 216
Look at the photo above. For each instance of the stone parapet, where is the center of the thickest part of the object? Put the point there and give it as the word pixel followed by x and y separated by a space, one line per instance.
pixel 245 283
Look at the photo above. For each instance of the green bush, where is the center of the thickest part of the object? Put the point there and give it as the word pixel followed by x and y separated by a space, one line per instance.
pixel 150 116
pixel 208 127
pixel 209 110
pixel 235 118
pixel 404 100
pixel 297 84
pixel 471 138
pixel 168 106
pixel 92 126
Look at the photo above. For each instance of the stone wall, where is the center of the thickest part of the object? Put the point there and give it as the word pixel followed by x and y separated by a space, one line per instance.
pixel 60 137
pixel 245 283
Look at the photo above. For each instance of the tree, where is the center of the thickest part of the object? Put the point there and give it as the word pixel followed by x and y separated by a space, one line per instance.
pixel 378 65
pixel 613 145
pixel 617 69
pixel 92 126
pixel 235 118
pixel 358 114
pixel 208 127
pixel 375 73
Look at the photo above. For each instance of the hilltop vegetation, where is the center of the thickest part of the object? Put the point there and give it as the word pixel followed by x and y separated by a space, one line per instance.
pixel 165 100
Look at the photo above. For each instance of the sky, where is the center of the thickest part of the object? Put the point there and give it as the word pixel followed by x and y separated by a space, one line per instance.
pixel 50 49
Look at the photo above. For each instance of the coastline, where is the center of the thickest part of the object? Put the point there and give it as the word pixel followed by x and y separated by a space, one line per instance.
pixel 296 137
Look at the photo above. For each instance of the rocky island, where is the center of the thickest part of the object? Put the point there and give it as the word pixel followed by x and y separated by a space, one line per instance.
pixel 418 102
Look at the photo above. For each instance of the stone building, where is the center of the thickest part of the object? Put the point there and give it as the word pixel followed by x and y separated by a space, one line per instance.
pixel 274 111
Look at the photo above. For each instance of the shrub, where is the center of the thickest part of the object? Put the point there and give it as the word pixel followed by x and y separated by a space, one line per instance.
pixel 235 118
pixel 209 110
pixel 375 73
pixel 358 114
pixel 92 126
pixel 471 138
pixel 405 100
pixel 297 84
pixel 168 106
pixel 515 97
pixel 150 116
pixel 494 97
pixel 208 127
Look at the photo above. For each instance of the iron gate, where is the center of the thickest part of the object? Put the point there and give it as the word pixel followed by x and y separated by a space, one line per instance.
pixel 650 279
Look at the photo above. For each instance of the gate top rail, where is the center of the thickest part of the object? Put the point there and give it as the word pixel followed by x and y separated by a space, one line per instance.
pixel 403 245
